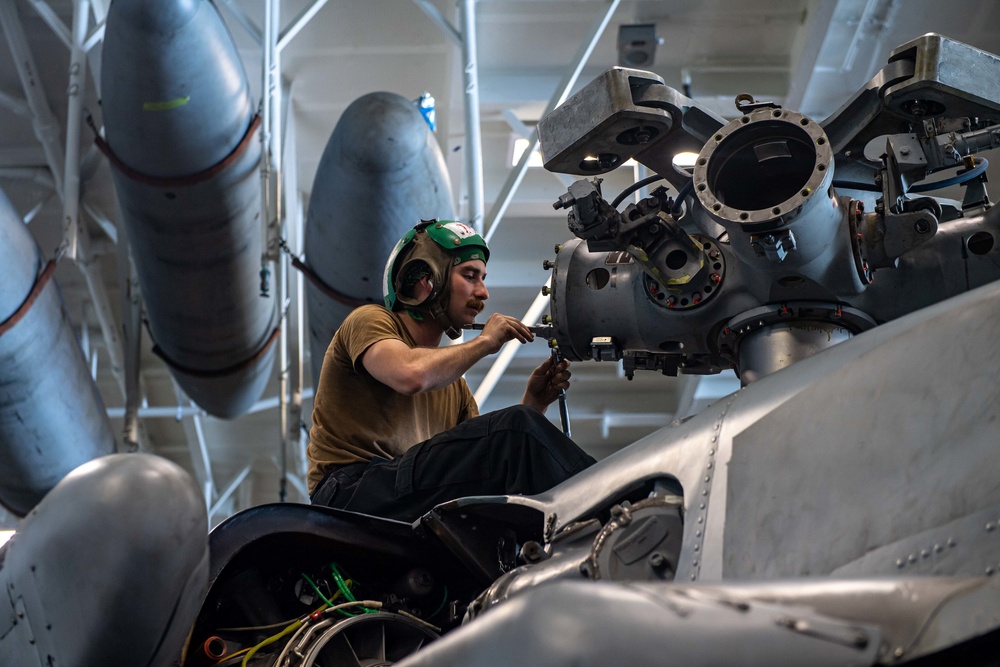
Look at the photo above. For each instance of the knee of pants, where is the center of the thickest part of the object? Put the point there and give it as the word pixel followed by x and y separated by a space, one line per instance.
pixel 520 417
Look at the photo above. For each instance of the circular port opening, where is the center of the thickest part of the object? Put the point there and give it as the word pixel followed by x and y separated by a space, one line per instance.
pixel 598 279
pixel 676 259
pixel 980 243
pixel 761 165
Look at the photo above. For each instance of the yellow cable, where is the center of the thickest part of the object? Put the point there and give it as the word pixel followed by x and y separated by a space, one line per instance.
pixel 254 648
pixel 270 640
pixel 298 624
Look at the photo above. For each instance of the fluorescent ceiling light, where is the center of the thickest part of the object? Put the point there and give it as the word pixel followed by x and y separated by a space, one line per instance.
pixel 685 160
pixel 520 145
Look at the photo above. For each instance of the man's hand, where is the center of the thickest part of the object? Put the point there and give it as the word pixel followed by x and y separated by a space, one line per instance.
pixel 545 383
pixel 501 328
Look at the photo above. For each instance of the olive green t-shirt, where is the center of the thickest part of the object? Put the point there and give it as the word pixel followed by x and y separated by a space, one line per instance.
pixel 356 417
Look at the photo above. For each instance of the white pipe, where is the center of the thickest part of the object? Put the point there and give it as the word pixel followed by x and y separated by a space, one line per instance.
pixel 52 20
pixel 296 321
pixel 299 485
pixel 228 491
pixel 102 221
pixel 438 18
pixel 300 22
pixel 859 33
pixel 16 106
pixel 87 265
pixel 524 132
pixel 244 20
pixel 206 460
pixel 74 123
pixel 639 172
pixel 473 132
pixel 510 348
pixel 175 411
pixel 562 92
pixel 44 123
pixel 97 35
pixel 294 480
pixel 130 301
pixel 158 412
pixel 267 57
pixel 273 101
pixel 200 458
pixel 30 215
pixel 100 9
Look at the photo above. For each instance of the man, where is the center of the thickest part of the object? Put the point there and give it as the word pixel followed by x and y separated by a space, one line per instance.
pixel 396 430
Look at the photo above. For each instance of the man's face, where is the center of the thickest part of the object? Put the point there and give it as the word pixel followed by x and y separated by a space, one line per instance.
pixel 468 291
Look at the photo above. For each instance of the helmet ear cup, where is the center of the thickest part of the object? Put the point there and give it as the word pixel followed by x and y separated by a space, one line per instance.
pixel 423 254
pixel 405 293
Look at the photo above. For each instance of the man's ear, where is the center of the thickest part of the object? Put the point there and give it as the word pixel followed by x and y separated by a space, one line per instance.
pixel 423 289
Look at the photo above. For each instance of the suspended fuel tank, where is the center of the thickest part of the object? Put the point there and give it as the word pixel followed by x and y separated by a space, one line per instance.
pixel 109 569
pixel 51 416
pixel 381 173
pixel 182 138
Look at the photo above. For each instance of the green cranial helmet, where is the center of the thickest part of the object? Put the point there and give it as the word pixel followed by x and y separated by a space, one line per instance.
pixel 431 249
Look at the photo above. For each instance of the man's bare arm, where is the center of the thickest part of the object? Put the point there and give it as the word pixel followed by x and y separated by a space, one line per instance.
pixel 413 370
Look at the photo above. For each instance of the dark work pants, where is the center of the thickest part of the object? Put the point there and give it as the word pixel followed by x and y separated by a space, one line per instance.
pixel 511 451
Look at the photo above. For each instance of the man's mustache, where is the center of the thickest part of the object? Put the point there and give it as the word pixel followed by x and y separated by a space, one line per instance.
pixel 477 304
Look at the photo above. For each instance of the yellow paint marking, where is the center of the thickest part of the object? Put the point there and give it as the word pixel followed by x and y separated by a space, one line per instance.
pixel 165 106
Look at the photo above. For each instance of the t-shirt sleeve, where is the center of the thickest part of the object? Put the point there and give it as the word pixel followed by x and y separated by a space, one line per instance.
pixel 366 326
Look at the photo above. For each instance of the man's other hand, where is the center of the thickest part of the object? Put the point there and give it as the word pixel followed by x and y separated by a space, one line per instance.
pixel 545 382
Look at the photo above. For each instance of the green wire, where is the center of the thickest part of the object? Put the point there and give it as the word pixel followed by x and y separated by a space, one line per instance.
pixel 329 601
pixel 318 591
pixel 441 606
pixel 342 585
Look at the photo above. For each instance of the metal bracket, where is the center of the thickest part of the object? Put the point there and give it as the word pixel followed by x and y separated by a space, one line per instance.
pixel 775 246
pixel 604 348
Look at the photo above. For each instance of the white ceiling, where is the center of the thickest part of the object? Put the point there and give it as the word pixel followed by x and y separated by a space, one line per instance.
pixel 807 54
